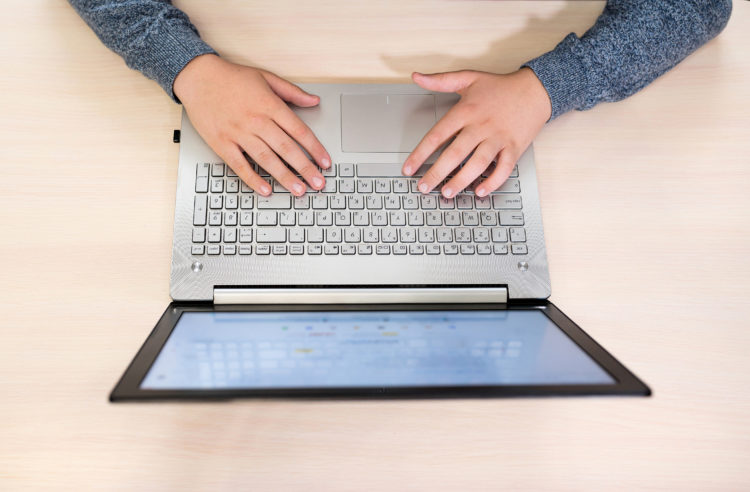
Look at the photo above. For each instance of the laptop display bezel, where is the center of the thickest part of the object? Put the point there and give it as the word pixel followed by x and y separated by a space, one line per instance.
pixel 128 388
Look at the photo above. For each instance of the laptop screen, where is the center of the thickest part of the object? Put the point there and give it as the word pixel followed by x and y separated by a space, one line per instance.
pixel 257 350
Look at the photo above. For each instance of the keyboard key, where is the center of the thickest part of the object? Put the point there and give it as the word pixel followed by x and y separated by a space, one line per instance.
pixel 246 202
pixel 296 235
pixel 463 234
pixel 399 249
pixel 275 201
pixel 199 210
pixel 483 203
pixel 519 249
pixel 320 202
pixel 517 235
pixel 267 218
pixel 374 202
pixel 506 202
pixel 233 185
pixel 202 169
pixel 446 203
pixel 333 235
pixel 356 202
pixel 488 218
pixel 201 184
pixel 416 249
pixel 510 186
pixel 230 235
pixel 314 249
pixel 392 202
pixel 246 249
pixel 444 235
pixel 302 202
pixel 415 218
pixel 346 170
pixel 271 235
pixel 511 218
pixel 364 249
pixel 230 249
pixel 400 186
pixel 499 235
pixel 331 249
pixel 464 201
pixel 278 249
pixel 397 218
pixel 450 249
pixel 434 218
pixel 470 218
pixel 467 249
pixel 246 218
pixel 217 185
pixel 230 218
pixel 214 217
pixel 246 235
pixel 214 235
pixel 337 202
pixel 428 202
pixel 214 249
pixel 484 249
pixel 263 249
pixel 346 186
pixel 364 185
pixel 231 202
pixel 361 218
pixel 407 234
pixel 352 235
pixel 330 186
pixel 216 202
pixel 410 202
pixel 279 188
pixel 382 186
pixel 433 249
pixel 388 234
pixel 199 235
pixel 305 218
pixel 452 219
pixel 324 218
pixel 296 249
pixel 426 235
pixel 287 217
pixel 383 249
pixel 370 234
pixel 217 169
pixel 500 249
pixel 348 249
pixel 197 249
pixel 481 235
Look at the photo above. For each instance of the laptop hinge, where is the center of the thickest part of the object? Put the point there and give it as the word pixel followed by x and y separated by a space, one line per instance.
pixel 363 295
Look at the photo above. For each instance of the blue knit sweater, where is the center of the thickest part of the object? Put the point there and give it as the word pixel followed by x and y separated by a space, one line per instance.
pixel 632 43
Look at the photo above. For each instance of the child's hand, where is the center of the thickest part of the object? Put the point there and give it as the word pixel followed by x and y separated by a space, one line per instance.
pixel 236 108
pixel 497 118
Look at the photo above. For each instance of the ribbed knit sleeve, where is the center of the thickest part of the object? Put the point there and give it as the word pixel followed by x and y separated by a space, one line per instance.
pixel 631 44
pixel 152 36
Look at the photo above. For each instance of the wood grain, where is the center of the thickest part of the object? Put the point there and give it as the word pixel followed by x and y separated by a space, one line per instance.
pixel 646 209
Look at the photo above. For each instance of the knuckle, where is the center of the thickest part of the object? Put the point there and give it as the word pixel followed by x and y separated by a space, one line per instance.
pixel 433 139
pixel 433 175
pixel 264 155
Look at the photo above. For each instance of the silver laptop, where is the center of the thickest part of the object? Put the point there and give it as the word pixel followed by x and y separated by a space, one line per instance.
pixel 369 236
pixel 367 288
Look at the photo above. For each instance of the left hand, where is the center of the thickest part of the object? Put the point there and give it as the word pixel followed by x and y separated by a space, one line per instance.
pixel 497 118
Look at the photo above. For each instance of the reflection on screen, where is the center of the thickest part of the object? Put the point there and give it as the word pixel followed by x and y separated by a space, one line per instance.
pixel 254 350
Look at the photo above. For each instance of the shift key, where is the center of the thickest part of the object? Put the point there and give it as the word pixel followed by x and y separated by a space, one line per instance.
pixel 275 201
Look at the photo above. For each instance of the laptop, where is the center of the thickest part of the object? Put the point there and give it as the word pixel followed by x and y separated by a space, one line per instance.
pixel 366 288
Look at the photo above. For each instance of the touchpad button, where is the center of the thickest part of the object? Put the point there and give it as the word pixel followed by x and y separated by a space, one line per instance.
pixel 385 122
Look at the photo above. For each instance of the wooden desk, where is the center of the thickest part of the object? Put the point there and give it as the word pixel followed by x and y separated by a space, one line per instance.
pixel 646 208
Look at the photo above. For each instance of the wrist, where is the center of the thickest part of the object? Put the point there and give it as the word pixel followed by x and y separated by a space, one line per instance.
pixel 536 93
pixel 192 73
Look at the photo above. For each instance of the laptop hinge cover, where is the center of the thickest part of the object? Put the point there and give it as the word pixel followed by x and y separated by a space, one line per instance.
pixel 360 295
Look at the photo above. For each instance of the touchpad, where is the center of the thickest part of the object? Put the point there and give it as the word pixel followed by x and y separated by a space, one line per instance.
pixel 385 122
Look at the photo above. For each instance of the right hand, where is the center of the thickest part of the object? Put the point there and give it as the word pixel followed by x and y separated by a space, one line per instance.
pixel 236 108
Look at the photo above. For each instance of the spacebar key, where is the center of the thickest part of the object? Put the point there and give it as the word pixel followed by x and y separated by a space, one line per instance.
pixel 381 170
pixel 271 235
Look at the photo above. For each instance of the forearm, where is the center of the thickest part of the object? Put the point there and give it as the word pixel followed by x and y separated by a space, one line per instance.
pixel 632 43
pixel 152 36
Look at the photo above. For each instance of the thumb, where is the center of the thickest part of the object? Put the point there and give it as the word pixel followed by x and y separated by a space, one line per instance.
pixel 290 92
pixel 446 81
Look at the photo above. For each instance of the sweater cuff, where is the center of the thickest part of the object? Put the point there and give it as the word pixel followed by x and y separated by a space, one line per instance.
pixel 170 49
pixel 563 75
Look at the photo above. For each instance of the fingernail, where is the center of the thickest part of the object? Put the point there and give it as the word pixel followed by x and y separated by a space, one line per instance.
pixel 265 189
pixel 448 193
pixel 326 162
pixel 481 192
pixel 407 169
pixel 298 188
pixel 423 187
pixel 318 182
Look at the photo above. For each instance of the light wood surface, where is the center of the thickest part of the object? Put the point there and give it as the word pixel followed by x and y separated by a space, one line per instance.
pixel 646 207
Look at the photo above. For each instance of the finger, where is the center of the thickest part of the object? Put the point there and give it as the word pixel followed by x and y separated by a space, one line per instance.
pixel 287 149
pixel 290 92
pixel 506 159
pixel 444 129
pixel 233 157
pixel 300 132
pixel 451 157
pixel 268 160
pixel 478 162
pixel 446 81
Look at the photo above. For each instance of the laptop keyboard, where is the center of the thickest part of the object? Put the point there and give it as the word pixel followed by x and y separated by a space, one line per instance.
pixel 364 209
